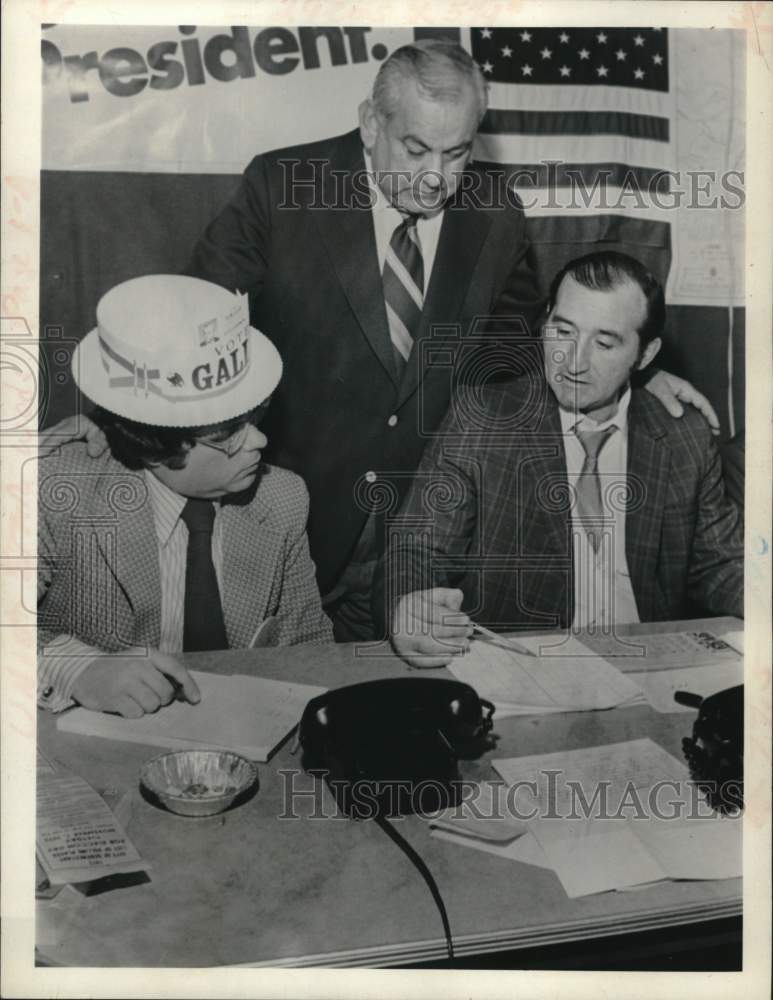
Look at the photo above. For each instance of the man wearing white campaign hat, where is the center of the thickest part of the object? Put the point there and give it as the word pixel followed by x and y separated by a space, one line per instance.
pixel 178 538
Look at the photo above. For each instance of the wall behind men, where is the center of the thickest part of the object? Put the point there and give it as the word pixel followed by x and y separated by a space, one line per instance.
pixel 145 132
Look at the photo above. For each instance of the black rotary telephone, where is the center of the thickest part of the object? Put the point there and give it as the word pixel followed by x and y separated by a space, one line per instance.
pixel 714 752
pixel 390 747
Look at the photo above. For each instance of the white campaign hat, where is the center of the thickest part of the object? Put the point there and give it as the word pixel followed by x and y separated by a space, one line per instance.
pixel 175 351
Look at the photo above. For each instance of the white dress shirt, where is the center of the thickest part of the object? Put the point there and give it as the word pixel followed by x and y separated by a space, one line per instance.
pixel 386 219
pixel 172 536
pixel 603 594
pixel 65 658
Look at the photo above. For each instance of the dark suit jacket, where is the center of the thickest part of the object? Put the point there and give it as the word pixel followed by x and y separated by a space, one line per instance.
pixel 490 512
pixel 295 239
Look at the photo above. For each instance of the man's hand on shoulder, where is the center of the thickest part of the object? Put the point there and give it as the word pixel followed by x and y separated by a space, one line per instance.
pixel 133 686
pixel 673 391
pixel 428 629
pixel 72 429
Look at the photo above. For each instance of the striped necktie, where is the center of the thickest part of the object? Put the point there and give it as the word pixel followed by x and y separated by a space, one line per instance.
pixel 404 288
pixel 590 509
pixel 203 624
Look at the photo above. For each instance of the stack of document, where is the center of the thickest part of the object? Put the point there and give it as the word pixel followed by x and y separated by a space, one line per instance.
pixel 565 676
pixel 78 838
pixel 620 816
pixel 248 715
pixel 665 662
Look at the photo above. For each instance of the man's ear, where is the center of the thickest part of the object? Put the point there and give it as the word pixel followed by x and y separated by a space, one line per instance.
pixel 369 123
pixel 649 352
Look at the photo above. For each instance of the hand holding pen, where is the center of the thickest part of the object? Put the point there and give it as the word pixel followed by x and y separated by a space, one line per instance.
pixel 429 628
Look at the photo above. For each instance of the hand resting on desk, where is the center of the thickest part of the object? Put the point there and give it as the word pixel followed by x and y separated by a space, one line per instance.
pixel 428 629
pixel 133 686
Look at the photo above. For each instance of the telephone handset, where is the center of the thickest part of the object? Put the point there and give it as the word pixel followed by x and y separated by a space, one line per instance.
pixel 392 746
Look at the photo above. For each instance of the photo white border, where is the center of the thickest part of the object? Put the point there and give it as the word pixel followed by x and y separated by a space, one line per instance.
pixel 20 232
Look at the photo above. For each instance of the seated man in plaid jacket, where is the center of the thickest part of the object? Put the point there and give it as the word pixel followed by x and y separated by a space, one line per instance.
pixel 565 497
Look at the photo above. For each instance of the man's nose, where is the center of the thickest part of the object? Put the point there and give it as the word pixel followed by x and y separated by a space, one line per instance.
pixel 579 356
pixel 433 184
pixel 256 440
pixel 431 171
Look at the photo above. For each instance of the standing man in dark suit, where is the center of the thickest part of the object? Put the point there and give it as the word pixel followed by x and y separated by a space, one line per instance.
pixel 369 292
pixel 350 280
pixel 567 497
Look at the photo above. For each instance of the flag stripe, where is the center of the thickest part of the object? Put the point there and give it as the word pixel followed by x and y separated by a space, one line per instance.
pixel 542 203
pixel 531 176
pixel 578 149
pixel 519 122
pixel 576 97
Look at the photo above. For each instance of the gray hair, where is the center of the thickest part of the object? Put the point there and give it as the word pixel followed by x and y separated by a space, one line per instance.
pixel 438 67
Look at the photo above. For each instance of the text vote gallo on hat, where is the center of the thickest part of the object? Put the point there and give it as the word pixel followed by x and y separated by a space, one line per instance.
pixel 174 351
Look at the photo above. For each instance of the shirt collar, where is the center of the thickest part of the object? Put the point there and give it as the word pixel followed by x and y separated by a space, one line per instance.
pixel 384 207
pixel 570 419
pixel 167 507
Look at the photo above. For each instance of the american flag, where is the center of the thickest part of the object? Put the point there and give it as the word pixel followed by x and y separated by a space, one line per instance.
pixel 583 120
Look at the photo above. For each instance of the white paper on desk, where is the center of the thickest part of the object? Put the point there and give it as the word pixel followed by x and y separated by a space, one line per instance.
pixel 248 715
pixel 636 764
pixel 734 639
pixel 77 836
pixel 598 848
pixel 524 849
pixel 694 848
pixel 646 652
pixel 659 686
pixel 486 815
pixel 601 855
pixel 519 684
pixel 42 764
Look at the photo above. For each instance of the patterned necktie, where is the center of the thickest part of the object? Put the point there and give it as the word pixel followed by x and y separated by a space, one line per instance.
pixel 404 288
pixel 590 509
pixel 203 625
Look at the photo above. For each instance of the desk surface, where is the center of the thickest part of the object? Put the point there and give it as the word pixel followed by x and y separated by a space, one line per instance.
pixel 250 887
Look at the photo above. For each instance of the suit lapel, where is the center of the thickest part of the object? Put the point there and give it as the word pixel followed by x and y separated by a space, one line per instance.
pixel 251 552
pixel 350 239
pixel 131 552
pixel 649 461
pixel 547 518
pixel 462 236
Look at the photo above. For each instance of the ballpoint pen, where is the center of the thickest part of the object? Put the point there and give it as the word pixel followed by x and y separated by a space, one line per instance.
pixel 502 640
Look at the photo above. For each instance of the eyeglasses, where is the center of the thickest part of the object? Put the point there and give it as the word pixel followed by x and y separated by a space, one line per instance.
pixel 235 442
pixel 232 445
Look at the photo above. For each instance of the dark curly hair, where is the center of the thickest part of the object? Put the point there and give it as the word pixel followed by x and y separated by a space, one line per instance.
pixel 138 446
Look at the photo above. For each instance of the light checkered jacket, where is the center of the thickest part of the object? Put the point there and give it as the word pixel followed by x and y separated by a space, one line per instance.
pixel 98 571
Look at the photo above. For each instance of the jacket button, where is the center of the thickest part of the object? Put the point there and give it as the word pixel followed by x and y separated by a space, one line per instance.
pixel 370 477
pixel 392 420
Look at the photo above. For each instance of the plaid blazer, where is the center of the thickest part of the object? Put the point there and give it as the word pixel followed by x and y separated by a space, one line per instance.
pixel 490 512
pixel 98 572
